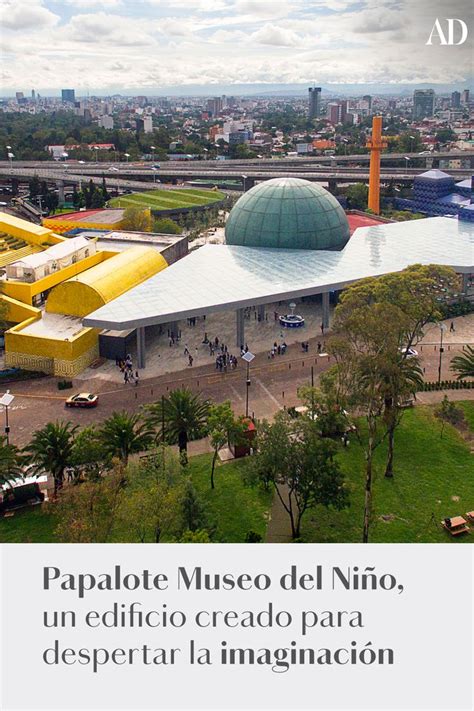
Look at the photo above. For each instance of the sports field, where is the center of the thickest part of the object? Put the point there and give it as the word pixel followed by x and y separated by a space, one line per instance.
pixel 168 199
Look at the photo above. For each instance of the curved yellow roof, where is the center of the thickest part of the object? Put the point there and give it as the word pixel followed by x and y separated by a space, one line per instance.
pixel 97 286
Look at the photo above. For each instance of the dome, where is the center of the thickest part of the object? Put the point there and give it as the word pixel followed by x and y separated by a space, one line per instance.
pixel 288 213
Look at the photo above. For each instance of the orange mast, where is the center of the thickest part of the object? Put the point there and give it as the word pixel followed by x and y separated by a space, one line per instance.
pixel 376 144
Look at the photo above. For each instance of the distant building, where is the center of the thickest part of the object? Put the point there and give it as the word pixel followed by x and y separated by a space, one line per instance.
pixel 423 103
pixel 456 99
pixel 19 96
pixel 68 95
pixel 148 124
pixel 465 96
pixel 314 102
pixel 33 95
pixel 214 106
pixel 106 122
pixel 368 100
pixel 334 112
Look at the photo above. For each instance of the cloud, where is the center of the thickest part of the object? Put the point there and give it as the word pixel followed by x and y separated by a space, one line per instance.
pixel 26 14
pixel 275 35
pixel 103 28
pixel 374 21
pixel 88 4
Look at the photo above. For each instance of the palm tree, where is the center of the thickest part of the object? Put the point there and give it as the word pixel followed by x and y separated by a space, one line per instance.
pixel 182 415
pixel 10 461
pixel 123 434
pixel 463 364
pixel 51 450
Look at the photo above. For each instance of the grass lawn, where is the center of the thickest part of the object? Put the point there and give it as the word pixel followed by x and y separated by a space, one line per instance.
pixel 168 199
pixel 434 478
pixel 233 508
pixel 468 408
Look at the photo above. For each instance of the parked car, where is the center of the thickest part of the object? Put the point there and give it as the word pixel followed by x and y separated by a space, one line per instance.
pixel 82 400
pixel 409 352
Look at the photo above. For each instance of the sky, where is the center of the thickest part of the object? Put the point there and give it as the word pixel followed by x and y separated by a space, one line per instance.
pixel 147 46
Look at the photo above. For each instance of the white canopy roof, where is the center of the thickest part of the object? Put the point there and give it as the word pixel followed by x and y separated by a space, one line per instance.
pixel 57 251
pixel 223 277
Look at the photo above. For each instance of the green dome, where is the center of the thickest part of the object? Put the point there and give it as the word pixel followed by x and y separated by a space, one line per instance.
pixel 288 213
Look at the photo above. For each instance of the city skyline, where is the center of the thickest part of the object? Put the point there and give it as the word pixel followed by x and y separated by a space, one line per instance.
pixel 151 46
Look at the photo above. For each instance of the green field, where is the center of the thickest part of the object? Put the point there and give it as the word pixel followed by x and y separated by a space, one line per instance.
pixel 232 509
pixel 434 478
pixel 168 199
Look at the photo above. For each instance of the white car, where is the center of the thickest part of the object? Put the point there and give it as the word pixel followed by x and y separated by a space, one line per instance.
pixel 409 352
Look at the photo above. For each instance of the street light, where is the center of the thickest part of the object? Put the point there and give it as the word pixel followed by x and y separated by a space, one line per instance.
pixel 6 400
pixel 407 159
pixel 127 156
pixel 10 158
pixel 244 178
pixel 248 357
pixel 412 138
pixel 153 148
pixel 96 148
pixel 442 329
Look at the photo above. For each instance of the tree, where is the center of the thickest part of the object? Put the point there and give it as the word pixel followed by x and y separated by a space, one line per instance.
pixel 183 415
pixel 416 295
pixel 136 219
pixel 329 416
pixel 89 456
pixel 123 434
pixel 34 186
pixel 194 514
pixel 87 513
pixel 10 461
pixel 223 427
pixel 166 226
pixel 462 365
pixel 357 196
pixel 367 335
pixel 51 450
pixel 447 412
pixel 301 467
pixel 153 505
pixel 199 536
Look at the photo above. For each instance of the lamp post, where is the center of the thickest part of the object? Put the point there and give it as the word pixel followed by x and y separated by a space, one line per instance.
pixel 153 148
pixel 412 138
pixel 10 158
pixel 248 358
pixel 96 148
pixel 407 160
pixel 127 156
pixel 6 400
pixel 244 178
pixel 442 329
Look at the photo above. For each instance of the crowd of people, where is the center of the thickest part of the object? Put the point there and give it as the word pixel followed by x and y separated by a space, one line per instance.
pixel 126 368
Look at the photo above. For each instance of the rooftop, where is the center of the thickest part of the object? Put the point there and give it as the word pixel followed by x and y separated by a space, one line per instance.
pixel 98 216
pixel 223 277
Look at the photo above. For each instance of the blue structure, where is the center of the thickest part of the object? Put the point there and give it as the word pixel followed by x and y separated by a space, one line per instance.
pixel 436 193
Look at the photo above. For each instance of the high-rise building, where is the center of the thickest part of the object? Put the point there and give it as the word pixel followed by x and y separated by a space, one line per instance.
pixel 19 95
pixel 368 100
pixel 214 106
pixel 465 96
pixel 68 95
pixel 33 95
pixel 423 103
pixel 334 111
pixel 456 99
pixel 314 102
pixel 106 122
pixel 148 124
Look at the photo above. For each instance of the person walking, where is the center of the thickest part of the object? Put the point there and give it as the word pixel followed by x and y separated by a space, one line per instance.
pixel 190 359
pixel 451 328
pixel 136 378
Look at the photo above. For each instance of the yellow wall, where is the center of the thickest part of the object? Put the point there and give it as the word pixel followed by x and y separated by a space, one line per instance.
pixel 61 226
pixel 50 355
pixel 17 311
pixel 27 231
pixel 105 282
pixel 25 292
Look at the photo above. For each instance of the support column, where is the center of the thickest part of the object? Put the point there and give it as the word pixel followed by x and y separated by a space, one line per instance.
pixel 141 351
pixel 240 328
pixel 261 312
pixel 60 186
pixel 174 329
pixel 325 321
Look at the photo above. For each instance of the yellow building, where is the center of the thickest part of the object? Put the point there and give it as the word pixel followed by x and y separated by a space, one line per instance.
pixel 54 341
pixel 100 219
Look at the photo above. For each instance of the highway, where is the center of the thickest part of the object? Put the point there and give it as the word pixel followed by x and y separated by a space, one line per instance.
pixel 124 177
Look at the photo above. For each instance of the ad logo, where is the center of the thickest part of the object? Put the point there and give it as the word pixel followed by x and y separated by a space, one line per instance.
pixel 451 37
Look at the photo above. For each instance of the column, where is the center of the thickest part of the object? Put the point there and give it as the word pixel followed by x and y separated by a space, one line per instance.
pixel 141 353
pixel 261 312
pixel 174 329
pixel 60 186
pixel 325 321
pixel 240 328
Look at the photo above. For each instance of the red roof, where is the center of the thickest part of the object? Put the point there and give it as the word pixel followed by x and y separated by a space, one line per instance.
pixel 356 221
pixel 76 215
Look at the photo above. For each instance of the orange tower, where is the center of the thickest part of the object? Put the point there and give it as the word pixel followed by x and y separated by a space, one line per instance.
pixel 376 144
